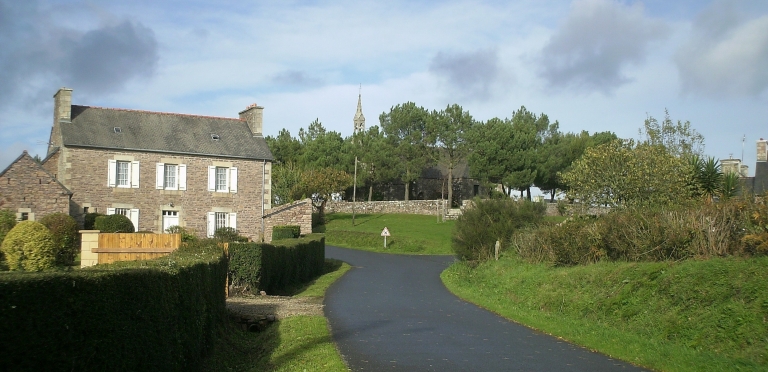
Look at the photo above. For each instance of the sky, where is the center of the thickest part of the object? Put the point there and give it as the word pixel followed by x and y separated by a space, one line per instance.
pixel 595 65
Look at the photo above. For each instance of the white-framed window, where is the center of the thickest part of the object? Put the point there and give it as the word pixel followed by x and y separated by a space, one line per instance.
pixel 217 220
pixel 122 173
pixel 222 179
pixel 131 213
pixel 171 176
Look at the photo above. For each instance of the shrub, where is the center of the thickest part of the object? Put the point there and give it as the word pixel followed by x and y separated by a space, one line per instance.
pixel 66 240
pixel 7 222
pixel 29 246
pixel 114 223
pixel 89 221
pixel 286 232
pixel 478 228
pixel 187 235
pixel 228 235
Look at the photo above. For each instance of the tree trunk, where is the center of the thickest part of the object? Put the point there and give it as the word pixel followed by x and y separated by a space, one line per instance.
pixel 370 192
pixel 528 193
pixel 552 196
pixel 407 190
pixel 450 186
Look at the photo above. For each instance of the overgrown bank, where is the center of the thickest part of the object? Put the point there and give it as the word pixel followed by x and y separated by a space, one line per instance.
pixel 686 316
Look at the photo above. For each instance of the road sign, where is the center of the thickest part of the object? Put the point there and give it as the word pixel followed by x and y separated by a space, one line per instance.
pixel 385 232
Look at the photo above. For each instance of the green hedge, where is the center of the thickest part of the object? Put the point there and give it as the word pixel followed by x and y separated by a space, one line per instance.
pixel 157 315
pixel 273 267
pixel 286 232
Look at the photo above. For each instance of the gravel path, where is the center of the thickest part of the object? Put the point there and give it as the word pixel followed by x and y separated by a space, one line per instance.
pixel 279 306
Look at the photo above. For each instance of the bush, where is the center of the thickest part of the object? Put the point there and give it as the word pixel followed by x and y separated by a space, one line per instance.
pixel 155 315
pixel 66 240
pixel 29 247
pixel 286 232
pixel 228 235
pixel 478 228
pixel 114 223
pixel 7 222
pixel 187 235
pixel 89 221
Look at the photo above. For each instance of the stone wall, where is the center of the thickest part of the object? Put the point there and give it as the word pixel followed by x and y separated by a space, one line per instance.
pixel 26 187
pixel 298 213
pixel 85 172
pixel 426 207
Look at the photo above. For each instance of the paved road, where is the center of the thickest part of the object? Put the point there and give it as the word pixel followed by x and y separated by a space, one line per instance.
pixel 392 313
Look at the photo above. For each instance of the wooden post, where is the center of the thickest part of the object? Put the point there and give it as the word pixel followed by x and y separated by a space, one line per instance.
pixel 498 246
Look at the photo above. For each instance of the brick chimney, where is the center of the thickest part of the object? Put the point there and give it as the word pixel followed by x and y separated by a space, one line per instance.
pixel 253 115
pixel 762 150
pixel 62 105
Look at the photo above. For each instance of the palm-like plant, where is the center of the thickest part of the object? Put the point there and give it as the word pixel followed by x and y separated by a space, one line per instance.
pixel 710 178
pixel 730 185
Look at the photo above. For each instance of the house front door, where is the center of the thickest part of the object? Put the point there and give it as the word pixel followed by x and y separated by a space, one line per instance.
pixel 170 218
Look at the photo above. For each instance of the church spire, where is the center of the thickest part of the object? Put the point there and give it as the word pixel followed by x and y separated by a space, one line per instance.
pixel 359 118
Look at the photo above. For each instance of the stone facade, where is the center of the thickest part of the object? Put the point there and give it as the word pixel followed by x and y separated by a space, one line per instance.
pixel 298 213
pixel 86 171
pixel 30 191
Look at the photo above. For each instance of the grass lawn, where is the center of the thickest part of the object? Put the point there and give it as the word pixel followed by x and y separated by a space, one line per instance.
pixel 410 233
pixel 297 343
pixel 670 316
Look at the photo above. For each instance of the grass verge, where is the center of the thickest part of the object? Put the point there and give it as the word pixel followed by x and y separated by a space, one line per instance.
pixel 686 316
pixel 410 233
pixel 297 343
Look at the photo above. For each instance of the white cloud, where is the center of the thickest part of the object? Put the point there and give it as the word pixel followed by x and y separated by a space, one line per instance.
pixel 726 55
pixel 596 42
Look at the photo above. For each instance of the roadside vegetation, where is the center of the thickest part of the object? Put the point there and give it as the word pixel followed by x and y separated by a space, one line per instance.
pixel 410 233
pixel 296 343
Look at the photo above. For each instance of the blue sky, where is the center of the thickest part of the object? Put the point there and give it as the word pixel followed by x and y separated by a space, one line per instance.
pixel 596 65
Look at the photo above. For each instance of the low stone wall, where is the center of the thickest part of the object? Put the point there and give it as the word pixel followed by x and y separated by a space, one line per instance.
pixel 298 213
pixel 426 207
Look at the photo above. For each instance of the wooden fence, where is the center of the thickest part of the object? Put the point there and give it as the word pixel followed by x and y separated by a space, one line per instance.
pixel 132 247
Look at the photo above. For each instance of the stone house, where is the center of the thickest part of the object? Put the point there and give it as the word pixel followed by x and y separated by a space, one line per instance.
pixel 163 169
pixel 30 191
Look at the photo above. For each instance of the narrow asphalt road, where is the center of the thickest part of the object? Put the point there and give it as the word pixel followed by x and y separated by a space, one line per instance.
pixel 392 313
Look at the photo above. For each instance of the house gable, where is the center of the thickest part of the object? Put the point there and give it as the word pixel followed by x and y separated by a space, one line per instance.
pixel 27 187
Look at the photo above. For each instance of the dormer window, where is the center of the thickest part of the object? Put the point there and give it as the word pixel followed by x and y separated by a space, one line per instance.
pixel 118 130
pixel 215 137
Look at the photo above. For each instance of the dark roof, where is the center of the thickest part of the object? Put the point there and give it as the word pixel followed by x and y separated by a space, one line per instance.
pixel 25 154
pixel 95 127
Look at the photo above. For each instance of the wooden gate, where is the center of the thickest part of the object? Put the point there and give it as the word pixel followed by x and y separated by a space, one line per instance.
pixel 135 246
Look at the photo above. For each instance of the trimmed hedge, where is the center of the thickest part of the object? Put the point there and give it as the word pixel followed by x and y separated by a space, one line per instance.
pixel 156 315
pixel 66 239
pixel 286 232
pixel 29 246
pixel 274 267
pixel 114 223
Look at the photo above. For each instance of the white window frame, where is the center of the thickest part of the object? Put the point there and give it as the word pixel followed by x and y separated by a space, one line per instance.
pixel 226 184
pixel 180 175
pixel 131 175
pixel 230 219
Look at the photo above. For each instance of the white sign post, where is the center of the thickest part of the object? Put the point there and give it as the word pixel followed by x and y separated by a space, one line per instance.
pixel 385 234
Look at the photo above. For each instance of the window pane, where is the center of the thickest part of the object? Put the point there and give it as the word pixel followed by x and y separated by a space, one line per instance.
pixel 221 179
pixel 221 220
pixel 122 173
pixel 170 176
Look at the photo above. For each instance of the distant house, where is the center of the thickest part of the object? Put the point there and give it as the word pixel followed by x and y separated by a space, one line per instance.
pixel 162 169
pixel 31 191
pixel 758 184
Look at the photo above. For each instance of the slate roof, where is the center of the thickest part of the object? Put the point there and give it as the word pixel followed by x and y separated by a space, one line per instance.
pixel 94 127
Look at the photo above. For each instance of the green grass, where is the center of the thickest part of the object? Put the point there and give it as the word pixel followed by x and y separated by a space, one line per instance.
pixel 687 316
pixel 297 343
pixel 410 233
